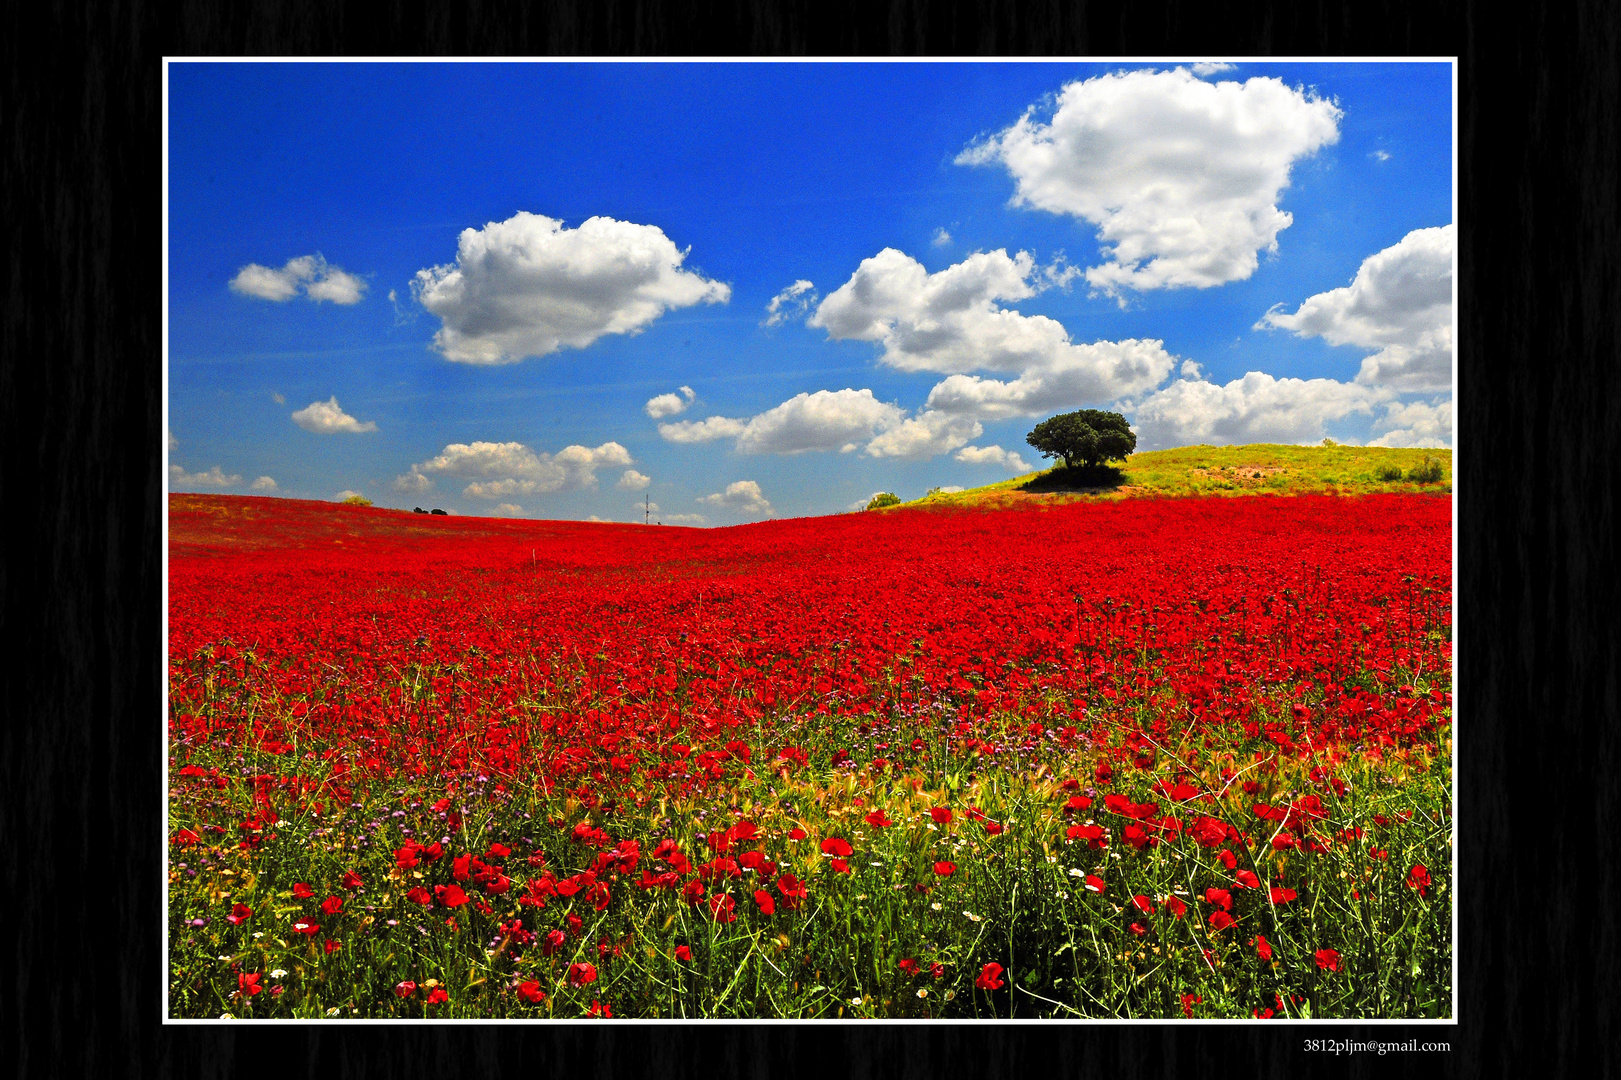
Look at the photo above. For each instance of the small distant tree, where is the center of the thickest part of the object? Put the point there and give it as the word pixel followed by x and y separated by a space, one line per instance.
pixel 357 500
pixel 1086 438
pixel 883 499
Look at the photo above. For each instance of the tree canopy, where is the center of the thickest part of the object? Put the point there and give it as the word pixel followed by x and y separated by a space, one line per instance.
pixel 1086 438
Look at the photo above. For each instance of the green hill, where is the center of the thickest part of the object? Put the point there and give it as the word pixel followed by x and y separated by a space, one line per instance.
pixel 1256 469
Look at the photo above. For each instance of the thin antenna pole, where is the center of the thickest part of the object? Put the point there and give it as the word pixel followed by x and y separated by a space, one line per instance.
pixel 647 511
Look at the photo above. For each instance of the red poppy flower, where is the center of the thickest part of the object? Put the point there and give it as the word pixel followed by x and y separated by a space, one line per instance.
pixel 599 1009
pixel 1143 904
pixel 499 851
pixel 248 983
pixel 792 889
pixel 185 838
pixel 1228 859
pixel 406 857
pixel 1419 878
pixel 993 828
pixel 331 946
pixel 1220 920
pixel 936 971
pixel 1280 895
pixel 682 952
pixel 1328 959
pixel 1246 880
pixel 878 819
pixel 598 896
pixel 305 928
pixel 351 880
pixel 580 974
pixel 1220 898
pixel 840 866
pixel 1263 948
pixel 450 895
pixel 332 905
pixel 437 996
pixel 1176 906
pixel 940 814
pixel 945 869
pixel 835 846
pixel 405 989
pixel 692 892
pixel 797 834
pixel 1094 884
pixel 419 895
pixel 989 977
pixel 1188 1002
pixel 303 891
pixel 531 992
pixel 1139 929
pixel 240 913
pixel 767 905
pixel 722 908
pixel 909 967
pixel 1261 1014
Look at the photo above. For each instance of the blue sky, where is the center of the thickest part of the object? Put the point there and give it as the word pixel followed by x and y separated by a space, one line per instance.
pixel 545 290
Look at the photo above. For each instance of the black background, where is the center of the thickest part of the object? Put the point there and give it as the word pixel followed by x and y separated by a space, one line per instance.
pixel 81 487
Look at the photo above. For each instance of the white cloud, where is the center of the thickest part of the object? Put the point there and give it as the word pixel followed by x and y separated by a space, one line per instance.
pixel 347 494
pixel 498 470
pixel 1190 370
pixel 791 303
pixel 951 489
pixel 1380 155
pixel 1415 424
pixel 925 435
pixel 528 286
pixel 278 399
pixel 694 431
pixel 509 509
pixel 326 418
pixel 684 519
pixel 214 477
pixel 264 483
pixel 1400 302
pixel 599 520
pixel 631 480
pixel 825 420
pixel 941 238
pixel 950 322
pixel 313 274
pixel 1254 409
pixel 1180 176
pixel 744 496
pixel 670 404
pixel 173 442
pixel 994 455
pixel 1211 67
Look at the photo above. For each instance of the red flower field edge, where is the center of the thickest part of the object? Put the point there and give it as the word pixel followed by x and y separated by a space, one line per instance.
pixel 712 766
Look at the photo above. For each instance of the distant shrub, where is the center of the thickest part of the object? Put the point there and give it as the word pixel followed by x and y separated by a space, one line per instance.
pixel 1388 472
pixel 1427 471
pixel 883 499
pixel 357 500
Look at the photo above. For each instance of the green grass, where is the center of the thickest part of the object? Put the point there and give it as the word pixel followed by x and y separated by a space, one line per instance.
pixel 1256 469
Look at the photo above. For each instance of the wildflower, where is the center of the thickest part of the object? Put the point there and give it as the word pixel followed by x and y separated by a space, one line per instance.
pixel 305 928
pixel 835 846
pixel 437 996
pixel 1188 1002
pixel 1263 948
pixel 1094 884
pixel 351 880
pixel 531 992
pixel 1176 906
pixel 1419 878
pixel 989 977
pixel 683 953
pixel 722 908
pixel 240 913
pixel 945 869
pixel 580 974
pixel 1328 959
pixel 405 989
pixel 1220 898
pixel 331 946
pixel 248 983
pixel 909 966
pixel 332 905
pixel 600 1009
pixel 940 814
pixel 878 819
pixel 1280 895
pixel 1220 920
pixel 763 899
pixel 1246 880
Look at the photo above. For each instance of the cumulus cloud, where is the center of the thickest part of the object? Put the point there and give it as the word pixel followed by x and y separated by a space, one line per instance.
pixel 631 480
pixel 1180 176
pixel 941 238
pixel 993 455
pixel 825 420
pixel 925 435
pixel 1415 424
pixel 508 509
pixel 528 286
pixel 500 470
pixel 684 519
pixel 214 477
pixel 1399 302
pixel 695 431
pixel 264 483
pixel 744 496
pixel 670 404
pixel 951 322
pixel 327 418
pixel 791 303
pixel 1211 68
pixel 311 274
pixel 1254 409
pixel 173 442
pixel 347 494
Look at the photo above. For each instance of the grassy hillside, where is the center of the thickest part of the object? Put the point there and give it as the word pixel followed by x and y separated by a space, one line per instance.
pixel 1258 469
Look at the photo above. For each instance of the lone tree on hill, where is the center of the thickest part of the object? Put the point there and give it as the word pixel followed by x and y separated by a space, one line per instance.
pixel 1086 438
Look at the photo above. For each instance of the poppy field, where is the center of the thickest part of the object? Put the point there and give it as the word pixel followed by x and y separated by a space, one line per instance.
pixel 1150 758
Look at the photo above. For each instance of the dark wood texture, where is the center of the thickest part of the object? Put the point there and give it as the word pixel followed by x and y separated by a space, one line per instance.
pixel 80 478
